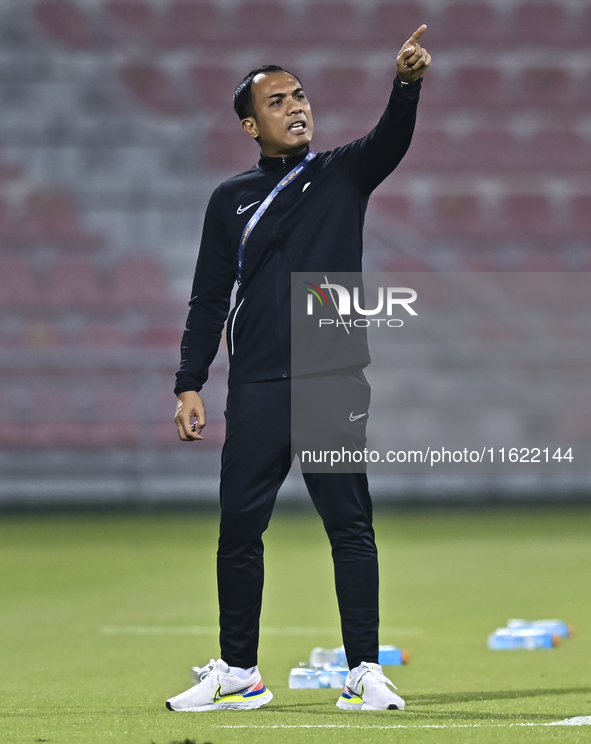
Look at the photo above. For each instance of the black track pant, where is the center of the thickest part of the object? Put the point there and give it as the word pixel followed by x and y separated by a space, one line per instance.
pixel 256 458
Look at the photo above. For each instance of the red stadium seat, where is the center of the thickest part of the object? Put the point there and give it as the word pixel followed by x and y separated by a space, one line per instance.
pixel 527 214
pixel 135 18
pixel 73 283
pixel 475 261
pixel 582 89
pixel 470 23
pixel 229 150
pixel 53 405
pixel 5 226
pixel 332 23
pixel 66 22
pixel 153 88
pixel 187 23
pixel 437 91
pixel 490 150
pixel 478 87
pixel 430 149
pixel 457 214
pixel 95 335
pixel 214 86
pixel 543 283
pixel 580 216
pixel 546 87
pixel 342 88
pixel 576 424
pixel 394 206
pixel 139 281
pixel 68 435
pixel 560 149
pixel 403 262
pixel 117 405
pixel 544 262
pixel 161 336
pixel 16 435
pixel 393 23
pixel 497 330
pixel 428 286
pixel 263 23
pixel 9 171
pixel 40 334
pixel 582 22
pixel 18 285
pixel 541 22
pixel 10 338
pixel 50 215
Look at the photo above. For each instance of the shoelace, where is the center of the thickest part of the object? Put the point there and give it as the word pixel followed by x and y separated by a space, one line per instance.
pixel 377 675
pixel 208 670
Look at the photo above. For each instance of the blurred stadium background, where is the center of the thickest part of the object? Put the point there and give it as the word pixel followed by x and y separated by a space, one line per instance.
pixel 116 123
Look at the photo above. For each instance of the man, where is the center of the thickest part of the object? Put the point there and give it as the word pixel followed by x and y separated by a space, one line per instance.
pixel 295 211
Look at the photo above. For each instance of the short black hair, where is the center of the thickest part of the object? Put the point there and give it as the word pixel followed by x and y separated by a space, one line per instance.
pixel 243 100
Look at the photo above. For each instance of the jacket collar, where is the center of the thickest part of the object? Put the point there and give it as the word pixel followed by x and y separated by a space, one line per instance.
pixel 281 165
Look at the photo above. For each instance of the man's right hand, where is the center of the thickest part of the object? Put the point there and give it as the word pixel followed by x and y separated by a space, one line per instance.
pixel 189 405
pixel 413 61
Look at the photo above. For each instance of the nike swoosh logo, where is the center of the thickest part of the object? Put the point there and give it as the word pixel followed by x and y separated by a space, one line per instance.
pixel 243 209
pixel 217 695
pixel 306 186
pixel 354 418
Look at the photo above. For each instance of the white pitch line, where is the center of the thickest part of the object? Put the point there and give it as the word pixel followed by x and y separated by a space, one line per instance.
pixel 577 721
pixel 214 630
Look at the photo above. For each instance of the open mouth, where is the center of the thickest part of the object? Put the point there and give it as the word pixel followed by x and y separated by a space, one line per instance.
pixel 298 127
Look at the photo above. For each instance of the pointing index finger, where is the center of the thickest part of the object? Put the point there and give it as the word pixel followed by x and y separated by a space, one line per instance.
pixel 417 34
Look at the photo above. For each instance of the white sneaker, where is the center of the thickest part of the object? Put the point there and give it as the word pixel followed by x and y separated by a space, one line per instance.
pixel 366 688
pixel 219 689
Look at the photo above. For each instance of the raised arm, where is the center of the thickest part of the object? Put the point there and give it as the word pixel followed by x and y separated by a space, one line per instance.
pixel 374 157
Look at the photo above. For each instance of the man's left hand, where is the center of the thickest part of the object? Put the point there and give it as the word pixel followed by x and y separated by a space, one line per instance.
pixel 413 61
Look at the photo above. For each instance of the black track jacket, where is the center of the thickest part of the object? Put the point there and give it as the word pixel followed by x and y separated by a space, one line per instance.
pixel 315 225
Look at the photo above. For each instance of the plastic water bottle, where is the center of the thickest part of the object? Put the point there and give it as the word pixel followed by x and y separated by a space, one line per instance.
pixel 321 656
pixel 392 656
pixel 387 656
pixel 331 676
pixel 556 627
pixel 505 639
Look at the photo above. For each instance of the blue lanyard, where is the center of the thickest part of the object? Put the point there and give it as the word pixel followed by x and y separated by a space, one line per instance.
pixel 252 222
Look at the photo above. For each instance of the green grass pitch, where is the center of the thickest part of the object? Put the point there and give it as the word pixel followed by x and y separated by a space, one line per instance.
pixel 101 618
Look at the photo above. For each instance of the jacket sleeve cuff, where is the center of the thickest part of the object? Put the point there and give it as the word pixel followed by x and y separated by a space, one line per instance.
pixel 407 88
pixel 185 389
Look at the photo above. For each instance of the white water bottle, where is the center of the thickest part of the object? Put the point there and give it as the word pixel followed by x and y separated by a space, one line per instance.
pixel 558 627
pixel 387 656
pixel 506 639
pixel 321 656
pixel 303 678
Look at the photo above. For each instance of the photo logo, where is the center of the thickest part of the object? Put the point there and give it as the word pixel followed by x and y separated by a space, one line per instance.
pixel 341 297
pixel 314 291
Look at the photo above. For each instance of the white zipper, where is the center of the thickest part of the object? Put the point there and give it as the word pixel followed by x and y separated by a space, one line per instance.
pixel 234 321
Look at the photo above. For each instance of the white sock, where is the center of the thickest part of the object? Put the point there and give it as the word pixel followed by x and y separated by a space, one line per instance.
pixel 240 672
